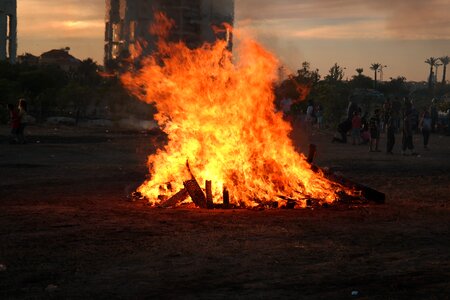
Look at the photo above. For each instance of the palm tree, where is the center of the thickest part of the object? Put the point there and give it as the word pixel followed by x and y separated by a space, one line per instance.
pixel 359 71
pixel 445 60
pixel 374 67
pixel 436 68
pixel 432 62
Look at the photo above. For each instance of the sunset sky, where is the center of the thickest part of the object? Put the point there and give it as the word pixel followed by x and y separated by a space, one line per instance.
pixel 354 33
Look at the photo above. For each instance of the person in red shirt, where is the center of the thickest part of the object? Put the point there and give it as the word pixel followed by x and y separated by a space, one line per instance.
pixel 356 128
pixel 14 121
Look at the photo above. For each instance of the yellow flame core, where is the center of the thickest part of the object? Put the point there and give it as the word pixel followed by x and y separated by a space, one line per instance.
pixel 220 116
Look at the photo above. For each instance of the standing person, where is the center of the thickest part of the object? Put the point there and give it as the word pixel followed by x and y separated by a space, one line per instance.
pixel 310 117
pixel 425 125
pixel 23 120
pixel 365 134
pixel 387 107
pixel 356 128
pixel 14 122
pixel 397 113
pixel 415 118
pixel 407 140
pixel 374 127
pixel 434 115
pixel 319 116
pixel 352 107
pixel 391 128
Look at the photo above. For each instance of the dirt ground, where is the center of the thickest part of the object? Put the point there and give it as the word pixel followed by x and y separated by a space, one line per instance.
pixel 67 229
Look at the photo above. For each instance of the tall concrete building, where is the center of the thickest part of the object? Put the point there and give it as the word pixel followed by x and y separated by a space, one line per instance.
pixel 128 21
pixel 8 30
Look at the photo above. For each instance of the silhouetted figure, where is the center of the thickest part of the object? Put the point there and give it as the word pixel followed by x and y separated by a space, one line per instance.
pixel 434 115
pixel 365 134
pixel 356 128
pixel 374 127
pixel 387 107
pixel 425 125
pixel 23 121
pixel 319 116
pixel 352 107
pixel 14 122
pixel 407 140
pixel 342 129
pixel 390 129
pixel 397 113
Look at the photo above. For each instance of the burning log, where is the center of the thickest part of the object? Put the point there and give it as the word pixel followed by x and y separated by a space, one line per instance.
pixel 366 192
pixel 196 193
pixel 226 198
pixel 175 199
pixel 209 196
pixel 311 153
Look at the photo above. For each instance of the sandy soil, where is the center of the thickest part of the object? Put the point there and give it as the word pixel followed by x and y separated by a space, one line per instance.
pixel 67 229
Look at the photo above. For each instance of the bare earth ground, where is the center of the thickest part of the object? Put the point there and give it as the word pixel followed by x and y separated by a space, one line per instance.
pixel 67 230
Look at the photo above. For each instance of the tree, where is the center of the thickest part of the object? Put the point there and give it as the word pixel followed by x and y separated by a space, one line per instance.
pixel 359 71
pixel 35 81
pixel 396 87
pixel 445 60
pixel 432 62
pixel 374 67
pixel 307 76
pixel 87 72
pixel 298 86
pixel 361 82
pixel 336 73
pixel 333 97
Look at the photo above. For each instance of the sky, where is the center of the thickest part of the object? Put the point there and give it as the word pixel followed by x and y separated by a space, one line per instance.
pixel 400 34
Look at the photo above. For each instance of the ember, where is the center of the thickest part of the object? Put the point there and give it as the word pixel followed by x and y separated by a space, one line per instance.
pixel 219 115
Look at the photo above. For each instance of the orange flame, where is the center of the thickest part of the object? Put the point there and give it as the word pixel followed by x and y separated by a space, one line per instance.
pixel 220 117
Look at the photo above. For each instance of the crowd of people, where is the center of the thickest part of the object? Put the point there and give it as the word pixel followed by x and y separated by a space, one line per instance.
pixel 18 122
pixel 366 130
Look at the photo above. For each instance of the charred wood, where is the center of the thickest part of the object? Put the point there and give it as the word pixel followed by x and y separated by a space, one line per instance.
pixel 175 199
pixel 311 153
pixel 367 193
pixel 209 196
pixel 196 193
pixel 226 198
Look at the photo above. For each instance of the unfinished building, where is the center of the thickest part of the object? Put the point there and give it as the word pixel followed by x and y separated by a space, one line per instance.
pixel 128 21
pixel 8 30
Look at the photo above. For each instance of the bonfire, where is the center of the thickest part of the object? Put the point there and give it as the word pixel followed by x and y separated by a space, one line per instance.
pixel 227 143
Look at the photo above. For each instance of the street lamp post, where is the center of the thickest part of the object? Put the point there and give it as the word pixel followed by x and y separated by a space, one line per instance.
pixel 437 65
pixel 381 71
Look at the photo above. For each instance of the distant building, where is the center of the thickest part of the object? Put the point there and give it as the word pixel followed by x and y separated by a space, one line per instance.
pixel 28 59
pixel 128 21
pixel 8 30
pixel 60 57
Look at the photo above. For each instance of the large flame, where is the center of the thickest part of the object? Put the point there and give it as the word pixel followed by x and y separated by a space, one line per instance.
pixel 219 116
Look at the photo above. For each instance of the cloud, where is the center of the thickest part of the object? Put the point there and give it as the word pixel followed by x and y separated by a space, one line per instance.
pixel 316 30
pixel 399 19
pixel 360 30
pixel 61 18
